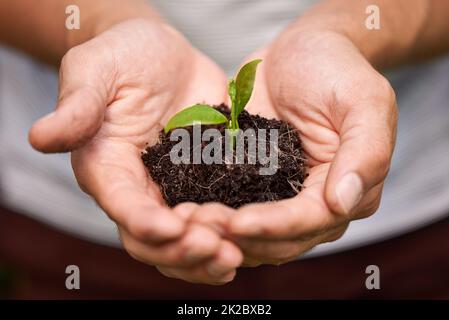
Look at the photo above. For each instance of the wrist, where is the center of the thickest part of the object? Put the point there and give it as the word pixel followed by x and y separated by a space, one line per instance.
pixel 348 29
pixel 101 15
pixel 382 47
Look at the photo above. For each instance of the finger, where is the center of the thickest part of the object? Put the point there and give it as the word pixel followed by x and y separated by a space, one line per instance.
pixel 249 262
pixel 369 203
pixel 186 209
pixel 272 251
pixel 196 276
pixel 198 244
pixel 213 215
pixel 79 113
pixel 113 174
pixel 228 258
pixel 301 217
pixel 362 161
pixel 279 252
pixel 221 270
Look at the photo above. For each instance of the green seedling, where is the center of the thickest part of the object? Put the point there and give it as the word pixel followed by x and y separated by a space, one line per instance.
pixel 239 90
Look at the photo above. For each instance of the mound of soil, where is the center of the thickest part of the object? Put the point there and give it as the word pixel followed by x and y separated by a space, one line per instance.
pixel 231 184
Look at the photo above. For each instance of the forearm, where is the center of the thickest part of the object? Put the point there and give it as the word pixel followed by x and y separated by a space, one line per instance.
pixel 38 27
pixel 409 29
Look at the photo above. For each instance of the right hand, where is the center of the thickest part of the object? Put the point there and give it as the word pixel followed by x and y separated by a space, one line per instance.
pixel 345 112
pixel 115 92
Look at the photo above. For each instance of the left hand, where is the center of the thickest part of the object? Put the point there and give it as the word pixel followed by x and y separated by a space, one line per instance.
pixel 345 113
pixel 115 92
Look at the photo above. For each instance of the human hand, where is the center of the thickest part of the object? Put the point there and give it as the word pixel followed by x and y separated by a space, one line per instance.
pixel 345 113
pixel 115 92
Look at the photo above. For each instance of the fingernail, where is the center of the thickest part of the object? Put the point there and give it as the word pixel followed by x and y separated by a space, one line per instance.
pixel 349 191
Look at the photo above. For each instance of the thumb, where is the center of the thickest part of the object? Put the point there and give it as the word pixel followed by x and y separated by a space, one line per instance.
pixel 363 159
pixel 79 112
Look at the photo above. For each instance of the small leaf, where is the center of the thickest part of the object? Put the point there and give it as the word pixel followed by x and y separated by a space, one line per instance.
pixel 232 91
pixel 197 114
pixel 244 84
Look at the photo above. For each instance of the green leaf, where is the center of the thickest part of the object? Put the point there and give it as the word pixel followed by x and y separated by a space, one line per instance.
pixel 232 90
pixel 197 114
pixel 244 85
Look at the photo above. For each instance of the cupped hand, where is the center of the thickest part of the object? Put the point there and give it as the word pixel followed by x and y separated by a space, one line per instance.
pixel 345 113
pixel 115 92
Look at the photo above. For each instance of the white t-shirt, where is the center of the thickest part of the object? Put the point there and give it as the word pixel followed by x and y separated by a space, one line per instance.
pixel 43 187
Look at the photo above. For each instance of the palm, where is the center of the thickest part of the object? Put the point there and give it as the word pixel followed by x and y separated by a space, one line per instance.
pixel 316 88
pixel 149 84
pixel 314 125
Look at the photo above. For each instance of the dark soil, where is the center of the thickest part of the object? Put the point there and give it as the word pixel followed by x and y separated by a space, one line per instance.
pixel 231 184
